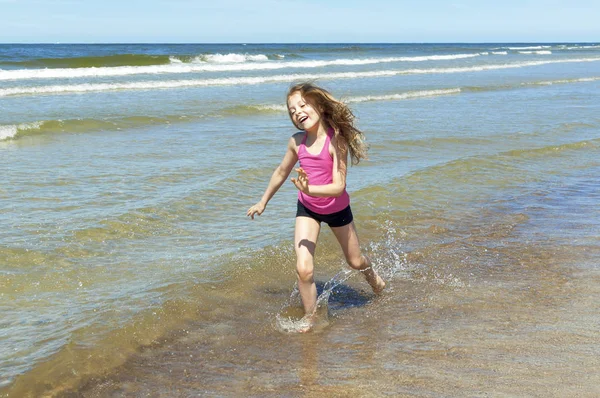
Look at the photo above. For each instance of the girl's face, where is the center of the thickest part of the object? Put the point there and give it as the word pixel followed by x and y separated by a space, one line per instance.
pixel 302 113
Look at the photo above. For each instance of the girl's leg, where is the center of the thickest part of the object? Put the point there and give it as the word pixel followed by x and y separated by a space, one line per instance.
pixel 305 242
pixel 348 240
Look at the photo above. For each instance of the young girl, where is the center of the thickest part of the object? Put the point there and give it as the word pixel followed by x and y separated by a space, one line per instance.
pixel 322 149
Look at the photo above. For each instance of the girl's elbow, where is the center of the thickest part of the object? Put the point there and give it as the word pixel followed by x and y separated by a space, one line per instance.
pixel 340 190
pixel 281 172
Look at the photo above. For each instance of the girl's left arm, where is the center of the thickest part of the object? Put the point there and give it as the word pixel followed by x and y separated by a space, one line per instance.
pixel 340 168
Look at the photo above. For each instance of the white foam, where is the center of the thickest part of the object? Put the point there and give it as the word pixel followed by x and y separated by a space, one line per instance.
pixel 562 81
pixel 231 58
pixel 528 48
pixel 271 107
pixel 199 65
pixel 403 96
pixel 545 52
pixel 7 131
pixel 583 47
pixel 11 130
pixel 499 52
pixel 289 325
pixel 288 78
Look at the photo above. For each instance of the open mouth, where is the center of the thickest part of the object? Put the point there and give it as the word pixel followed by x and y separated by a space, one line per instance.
pixel 302 119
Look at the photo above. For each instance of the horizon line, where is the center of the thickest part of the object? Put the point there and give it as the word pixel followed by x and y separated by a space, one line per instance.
pixel 312 42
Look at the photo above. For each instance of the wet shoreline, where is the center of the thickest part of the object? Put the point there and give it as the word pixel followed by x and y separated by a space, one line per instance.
pixel 523 328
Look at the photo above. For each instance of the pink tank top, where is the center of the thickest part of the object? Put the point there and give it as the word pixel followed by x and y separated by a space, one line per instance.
pixel 319 169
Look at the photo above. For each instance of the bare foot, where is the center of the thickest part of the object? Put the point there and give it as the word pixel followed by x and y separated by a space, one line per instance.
pixel 378 285
pixel 308 322
pixel 305 329
pixel 373 279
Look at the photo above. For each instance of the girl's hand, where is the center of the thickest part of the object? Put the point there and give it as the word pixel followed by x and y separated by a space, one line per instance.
pixel 302 181
pixel 256 209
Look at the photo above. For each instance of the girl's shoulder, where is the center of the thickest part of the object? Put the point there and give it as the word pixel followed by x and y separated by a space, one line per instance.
pixel 299 135
pixel 297 138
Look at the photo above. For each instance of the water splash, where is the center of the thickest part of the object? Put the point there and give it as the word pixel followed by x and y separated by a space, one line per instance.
pixel 387 259
pixel 387 255
pixel 291 317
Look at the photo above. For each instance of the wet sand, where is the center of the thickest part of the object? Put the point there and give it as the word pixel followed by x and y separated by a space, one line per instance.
pixel 527 327
pixel 478 304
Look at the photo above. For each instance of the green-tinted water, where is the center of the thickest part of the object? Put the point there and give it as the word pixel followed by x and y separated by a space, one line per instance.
pixel 128 267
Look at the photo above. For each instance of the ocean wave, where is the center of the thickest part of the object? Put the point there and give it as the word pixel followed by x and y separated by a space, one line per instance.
pixel 527 48
pixel 246 110
pixel 477 89
pixel 179 66
pixel 590 47
pixel 551 150
pixel 254 80
pixel 137 60
pixel 8 131
pixel 12 130
pixel 231 58
pixel 417 94
pixel 93 61
pixel 249 109
pixel 15 131
pixel 403 96
pixel 543 52
pixel 562 81
pixel 312 48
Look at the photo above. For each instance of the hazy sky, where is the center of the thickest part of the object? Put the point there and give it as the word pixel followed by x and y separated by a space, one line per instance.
pixel 268 21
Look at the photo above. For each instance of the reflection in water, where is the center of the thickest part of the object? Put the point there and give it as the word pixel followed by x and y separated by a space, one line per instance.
pixel 308 373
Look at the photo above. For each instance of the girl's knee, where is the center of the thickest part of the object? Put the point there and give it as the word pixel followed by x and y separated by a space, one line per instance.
pixel 304 269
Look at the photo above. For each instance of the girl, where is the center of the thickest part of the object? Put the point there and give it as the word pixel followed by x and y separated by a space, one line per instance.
pixel 322 149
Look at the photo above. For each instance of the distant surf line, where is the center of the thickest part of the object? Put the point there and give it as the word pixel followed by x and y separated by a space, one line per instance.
pixel 178 67
pixel 254 80
pixel 181 67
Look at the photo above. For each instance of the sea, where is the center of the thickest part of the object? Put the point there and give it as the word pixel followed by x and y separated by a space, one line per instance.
pixel 128 266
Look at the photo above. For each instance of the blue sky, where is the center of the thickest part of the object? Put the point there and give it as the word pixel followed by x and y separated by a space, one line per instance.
pixel 268 21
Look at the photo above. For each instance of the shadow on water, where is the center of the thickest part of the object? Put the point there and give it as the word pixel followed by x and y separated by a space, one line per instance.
pixel 344 296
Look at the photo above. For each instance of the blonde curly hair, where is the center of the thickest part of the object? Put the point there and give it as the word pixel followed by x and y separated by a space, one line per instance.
pixel 336 115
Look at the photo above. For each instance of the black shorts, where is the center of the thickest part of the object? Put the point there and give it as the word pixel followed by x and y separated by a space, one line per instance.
pixel 338 219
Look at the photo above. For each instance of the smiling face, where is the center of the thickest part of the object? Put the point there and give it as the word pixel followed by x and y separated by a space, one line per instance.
pixel 303 114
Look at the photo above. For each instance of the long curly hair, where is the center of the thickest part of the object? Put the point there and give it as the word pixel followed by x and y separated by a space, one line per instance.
pixel 336 115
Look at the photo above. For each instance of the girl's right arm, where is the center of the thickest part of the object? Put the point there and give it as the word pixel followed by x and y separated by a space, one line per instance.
pixel 279 176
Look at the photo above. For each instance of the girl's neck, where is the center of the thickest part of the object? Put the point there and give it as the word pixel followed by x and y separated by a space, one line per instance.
pixel 318 130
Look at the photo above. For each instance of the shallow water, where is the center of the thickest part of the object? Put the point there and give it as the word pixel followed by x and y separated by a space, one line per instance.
pixel 128 267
